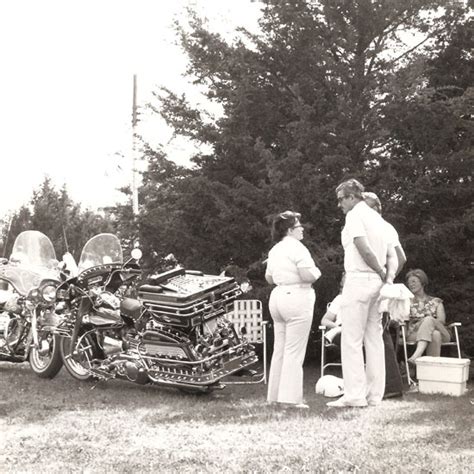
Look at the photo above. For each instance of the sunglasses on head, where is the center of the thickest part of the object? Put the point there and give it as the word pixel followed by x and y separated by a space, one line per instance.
pixel 289 215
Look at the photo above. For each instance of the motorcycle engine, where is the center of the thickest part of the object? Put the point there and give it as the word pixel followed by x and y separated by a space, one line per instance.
pixel 209 339
pixel 217 335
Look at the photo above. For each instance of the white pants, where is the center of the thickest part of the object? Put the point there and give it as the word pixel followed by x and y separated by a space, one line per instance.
pixel 362 327
pixel 291 309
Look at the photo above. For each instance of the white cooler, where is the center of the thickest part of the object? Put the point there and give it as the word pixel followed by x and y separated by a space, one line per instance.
pixel 447 375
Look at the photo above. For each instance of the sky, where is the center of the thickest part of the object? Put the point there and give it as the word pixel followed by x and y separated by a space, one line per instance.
pixel 66 89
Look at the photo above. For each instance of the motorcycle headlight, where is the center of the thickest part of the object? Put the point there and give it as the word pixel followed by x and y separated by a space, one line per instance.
pixel 137 254
pixel 48 293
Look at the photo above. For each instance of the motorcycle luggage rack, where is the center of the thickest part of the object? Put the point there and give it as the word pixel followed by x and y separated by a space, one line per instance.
pixel 183 304
pixel 181 287
pixel 185 320
pixel 212 300
pixel 190 315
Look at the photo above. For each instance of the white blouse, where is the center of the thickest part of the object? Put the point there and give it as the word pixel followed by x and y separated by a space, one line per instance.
pixel 285 258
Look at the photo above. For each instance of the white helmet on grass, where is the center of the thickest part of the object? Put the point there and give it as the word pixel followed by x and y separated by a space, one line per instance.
pixel 330 386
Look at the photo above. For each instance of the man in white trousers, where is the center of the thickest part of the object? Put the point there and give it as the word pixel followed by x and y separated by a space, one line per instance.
pixel 369 262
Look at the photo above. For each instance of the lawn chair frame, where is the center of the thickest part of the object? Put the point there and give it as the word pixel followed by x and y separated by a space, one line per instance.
pixel 324 345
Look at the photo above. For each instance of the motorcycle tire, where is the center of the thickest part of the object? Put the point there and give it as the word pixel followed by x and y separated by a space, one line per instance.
pixel 46 365
pixel 78 369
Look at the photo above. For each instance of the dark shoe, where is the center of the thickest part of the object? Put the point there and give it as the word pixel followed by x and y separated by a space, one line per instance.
pixel 393 395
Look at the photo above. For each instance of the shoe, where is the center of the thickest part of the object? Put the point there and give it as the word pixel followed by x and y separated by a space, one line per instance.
pixel 302 406
pixel 340 403
pixel 285 405
pixel 373 403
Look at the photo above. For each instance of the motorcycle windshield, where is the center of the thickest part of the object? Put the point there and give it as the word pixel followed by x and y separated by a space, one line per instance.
pixel 32 260
pixel 102 249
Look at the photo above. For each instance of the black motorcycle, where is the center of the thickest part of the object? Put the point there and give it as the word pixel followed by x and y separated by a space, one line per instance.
pixel 27 317
pixel 174 333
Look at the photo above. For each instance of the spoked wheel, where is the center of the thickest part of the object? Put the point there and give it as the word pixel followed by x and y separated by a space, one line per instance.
pixel 78 361
pixel 45 360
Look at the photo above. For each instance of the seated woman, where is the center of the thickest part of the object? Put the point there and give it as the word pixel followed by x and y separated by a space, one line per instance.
pixel 427 320
pixel 332 319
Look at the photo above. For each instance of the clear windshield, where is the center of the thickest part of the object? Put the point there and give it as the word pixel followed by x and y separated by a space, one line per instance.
pixel 32 260
pixel 101 250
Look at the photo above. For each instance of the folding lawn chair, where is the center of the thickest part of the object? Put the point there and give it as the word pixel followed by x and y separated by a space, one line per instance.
pixel 406 344
pixel 247 317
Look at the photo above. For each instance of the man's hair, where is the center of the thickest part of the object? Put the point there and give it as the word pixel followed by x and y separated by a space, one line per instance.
pixel 373 201
pixel 351 186
pixel 282 222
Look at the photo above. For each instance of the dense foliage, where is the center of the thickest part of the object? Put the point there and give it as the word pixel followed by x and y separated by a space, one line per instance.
pixel 327 90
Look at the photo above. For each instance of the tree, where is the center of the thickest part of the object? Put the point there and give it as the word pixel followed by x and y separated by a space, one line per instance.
pixel 306 103
pixel 55 214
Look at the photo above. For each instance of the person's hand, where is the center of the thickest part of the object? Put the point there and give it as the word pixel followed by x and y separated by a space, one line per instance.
pixel 385 277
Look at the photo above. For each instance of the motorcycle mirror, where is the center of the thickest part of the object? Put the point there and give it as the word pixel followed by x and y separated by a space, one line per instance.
pixel 136 254
pixel 70 265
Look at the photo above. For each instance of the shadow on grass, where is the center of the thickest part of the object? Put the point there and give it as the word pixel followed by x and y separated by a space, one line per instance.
pixel 32 399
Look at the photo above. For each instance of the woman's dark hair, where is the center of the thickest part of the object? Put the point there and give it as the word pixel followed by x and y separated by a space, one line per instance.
pixel 282 222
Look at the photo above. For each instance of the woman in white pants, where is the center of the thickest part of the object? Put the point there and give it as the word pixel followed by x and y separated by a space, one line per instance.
pixel 291 268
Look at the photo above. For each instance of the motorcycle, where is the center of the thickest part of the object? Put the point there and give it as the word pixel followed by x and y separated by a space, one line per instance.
pixel 173 332
pixel 27 317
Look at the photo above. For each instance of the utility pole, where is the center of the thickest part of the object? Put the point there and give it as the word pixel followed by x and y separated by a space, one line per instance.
pixel 134 148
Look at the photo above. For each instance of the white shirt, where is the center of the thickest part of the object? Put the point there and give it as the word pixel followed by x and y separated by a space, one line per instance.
pixel 362 221
pixel 285 258
pixel 392 235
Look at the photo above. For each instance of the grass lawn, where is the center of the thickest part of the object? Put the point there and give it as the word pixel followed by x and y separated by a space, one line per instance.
pixel 66 426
